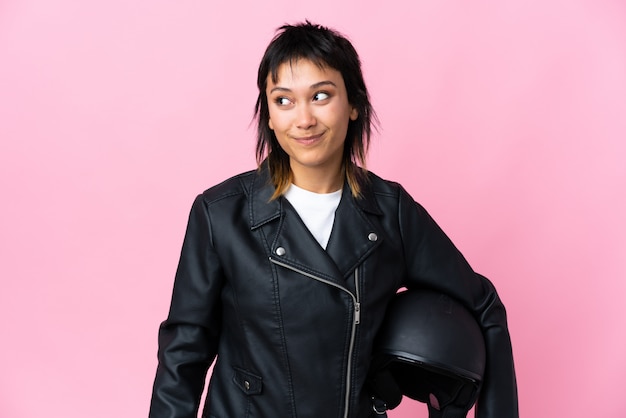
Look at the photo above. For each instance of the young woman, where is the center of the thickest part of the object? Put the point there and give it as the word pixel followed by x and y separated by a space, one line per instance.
pixel 286 271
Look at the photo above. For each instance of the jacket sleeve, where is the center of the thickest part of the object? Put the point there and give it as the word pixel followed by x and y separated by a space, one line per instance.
pixel 434 262
pixel 188 338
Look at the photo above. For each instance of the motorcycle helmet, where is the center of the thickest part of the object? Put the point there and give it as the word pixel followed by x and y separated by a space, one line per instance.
pixel 431 349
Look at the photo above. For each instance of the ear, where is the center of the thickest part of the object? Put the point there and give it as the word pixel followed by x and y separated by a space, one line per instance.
pixel 270 124
pixel 354 114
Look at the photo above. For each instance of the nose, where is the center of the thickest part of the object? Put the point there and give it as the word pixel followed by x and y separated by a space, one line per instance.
pixel 305 118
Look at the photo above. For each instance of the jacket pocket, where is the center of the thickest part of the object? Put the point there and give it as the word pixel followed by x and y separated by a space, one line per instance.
pixel 249 383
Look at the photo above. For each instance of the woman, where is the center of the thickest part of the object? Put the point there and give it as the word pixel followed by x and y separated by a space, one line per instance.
pixel 286 271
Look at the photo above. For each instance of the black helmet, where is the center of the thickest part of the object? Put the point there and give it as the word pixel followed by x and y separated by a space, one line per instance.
pixel 434 352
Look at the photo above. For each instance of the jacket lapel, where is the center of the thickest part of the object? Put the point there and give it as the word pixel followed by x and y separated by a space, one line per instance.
pixel 352 238
pixel 354 235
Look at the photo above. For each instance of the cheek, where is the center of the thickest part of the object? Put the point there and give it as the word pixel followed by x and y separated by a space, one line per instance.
pixel 276 120
pixel 342 123
pixel 342 114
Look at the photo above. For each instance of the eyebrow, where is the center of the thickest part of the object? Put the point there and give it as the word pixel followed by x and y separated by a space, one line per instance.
pixel 312 87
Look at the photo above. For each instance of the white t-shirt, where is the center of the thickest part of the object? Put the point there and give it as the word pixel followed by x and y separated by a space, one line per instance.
pixel 317 210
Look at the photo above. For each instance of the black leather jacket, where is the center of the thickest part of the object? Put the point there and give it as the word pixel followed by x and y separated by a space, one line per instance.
pixel 292 325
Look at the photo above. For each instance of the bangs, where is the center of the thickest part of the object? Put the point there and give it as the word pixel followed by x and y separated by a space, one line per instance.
pixel 293 60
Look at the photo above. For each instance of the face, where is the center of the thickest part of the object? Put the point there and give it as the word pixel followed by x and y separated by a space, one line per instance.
pixel 309 114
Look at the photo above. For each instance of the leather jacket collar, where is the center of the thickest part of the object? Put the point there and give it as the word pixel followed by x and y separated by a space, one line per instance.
pixel 355 232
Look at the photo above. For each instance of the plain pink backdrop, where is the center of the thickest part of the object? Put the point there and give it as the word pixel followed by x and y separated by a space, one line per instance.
pixel 507 120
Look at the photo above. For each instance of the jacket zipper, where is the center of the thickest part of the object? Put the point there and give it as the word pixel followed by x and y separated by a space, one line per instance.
pixel 356 319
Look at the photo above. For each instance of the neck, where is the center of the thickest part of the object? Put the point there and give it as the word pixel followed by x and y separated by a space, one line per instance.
pixel 319 180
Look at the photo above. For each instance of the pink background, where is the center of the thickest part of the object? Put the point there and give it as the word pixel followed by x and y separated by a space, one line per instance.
pixel 507 120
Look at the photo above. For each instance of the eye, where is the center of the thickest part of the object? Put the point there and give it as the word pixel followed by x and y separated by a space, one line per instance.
pixel 321 95
pixel 282 101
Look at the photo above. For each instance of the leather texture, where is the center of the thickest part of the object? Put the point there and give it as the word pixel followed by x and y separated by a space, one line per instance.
pixel 290 327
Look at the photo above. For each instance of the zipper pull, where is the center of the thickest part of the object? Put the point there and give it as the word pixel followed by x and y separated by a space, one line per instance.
pixel 357 312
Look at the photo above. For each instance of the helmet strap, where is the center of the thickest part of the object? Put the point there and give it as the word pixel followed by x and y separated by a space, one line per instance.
pixel 456 406
pixel 450 411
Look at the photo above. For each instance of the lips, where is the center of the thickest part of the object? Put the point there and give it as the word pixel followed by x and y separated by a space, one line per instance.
pixel 308 140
